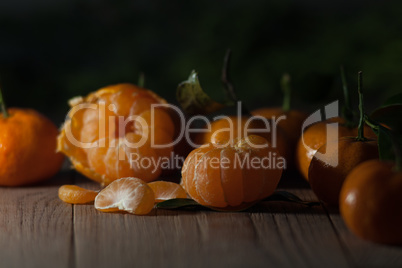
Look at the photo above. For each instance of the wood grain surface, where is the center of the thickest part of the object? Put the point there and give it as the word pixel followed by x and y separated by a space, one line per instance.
pixel 39 230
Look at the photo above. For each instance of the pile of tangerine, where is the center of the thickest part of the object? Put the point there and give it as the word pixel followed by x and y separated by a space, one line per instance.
pixel 97 137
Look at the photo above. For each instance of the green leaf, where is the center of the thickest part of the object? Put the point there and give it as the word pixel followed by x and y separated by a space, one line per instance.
pixel 390 116
pixel 193 99
pixel 179 203
pixel 396 99
pixel 190 204
pixel 289 197
pixel 389 142
pixel 385 145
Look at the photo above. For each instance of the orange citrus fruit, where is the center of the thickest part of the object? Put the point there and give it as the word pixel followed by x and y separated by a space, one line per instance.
pixel 27 148
pixel 291 124
pixel 126 194
pixel 73 194
pixel 231 175
pixel 371 202
pixel 316 135
pixel 115 132
pixel 328 172
pixel 165 190
pixel 230 128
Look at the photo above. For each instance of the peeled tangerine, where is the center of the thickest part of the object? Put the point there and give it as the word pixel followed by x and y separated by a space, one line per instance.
pixel 112 133
pixel 127 194
pixel 244 172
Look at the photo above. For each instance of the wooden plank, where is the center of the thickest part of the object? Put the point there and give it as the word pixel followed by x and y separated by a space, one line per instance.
pixel 35 226
pixel 364 253
pixel 165 239
pixel 277 234
pixel 298 236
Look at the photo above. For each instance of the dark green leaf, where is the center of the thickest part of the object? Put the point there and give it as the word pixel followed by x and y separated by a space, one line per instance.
pixel 390 116
pixel 193 99
pixel 385 146
pixel 190 204
pixel 180 203
pixel 389 142
pixel 289 197
pixel 396 99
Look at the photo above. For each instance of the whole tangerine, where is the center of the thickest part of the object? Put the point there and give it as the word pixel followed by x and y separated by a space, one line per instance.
pixel 371 202
pixel 328 172
pixel 316 135
pixel 290 125
pixel 334 160
pixel 27 147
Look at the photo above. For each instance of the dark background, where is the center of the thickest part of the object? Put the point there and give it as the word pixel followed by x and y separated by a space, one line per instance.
pixel 51 51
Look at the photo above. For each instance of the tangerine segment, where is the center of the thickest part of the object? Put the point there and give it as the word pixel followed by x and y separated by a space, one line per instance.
pixel 126 194
pixel 188 181
pixel 74 194
pixel 208 174
pixel 164 190
pixel 250 155
pixel 232 178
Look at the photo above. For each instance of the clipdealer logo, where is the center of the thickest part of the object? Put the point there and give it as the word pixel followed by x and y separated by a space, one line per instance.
pixel 330 111
pixel 117 140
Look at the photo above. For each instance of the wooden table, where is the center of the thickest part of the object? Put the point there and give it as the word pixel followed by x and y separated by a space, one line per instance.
pixel 39 230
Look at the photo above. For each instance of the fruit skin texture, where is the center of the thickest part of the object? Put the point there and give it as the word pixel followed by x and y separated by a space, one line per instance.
pixel 27 148
pixel 316 135
pixel 291 125
pixel 74 194
pixel 371 202
pixel 131 195
pixel 220 132
pixel 326 180
pixel 212 175
pixel 104 163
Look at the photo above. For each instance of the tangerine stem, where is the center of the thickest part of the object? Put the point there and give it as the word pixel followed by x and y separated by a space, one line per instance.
pixel 360 132
pixel 347 110
pixel 3 105
pixel 287 92
pixel 225 77
pixel 141 80
pixel 230 91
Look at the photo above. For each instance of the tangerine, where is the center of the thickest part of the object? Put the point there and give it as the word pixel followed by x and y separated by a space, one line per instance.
pixel 371 202
pixel 230 128
pixel 27 147
pixel 291 124
pixel 328 172
pixel 111 130
pixel 318 134
pixel 225 176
